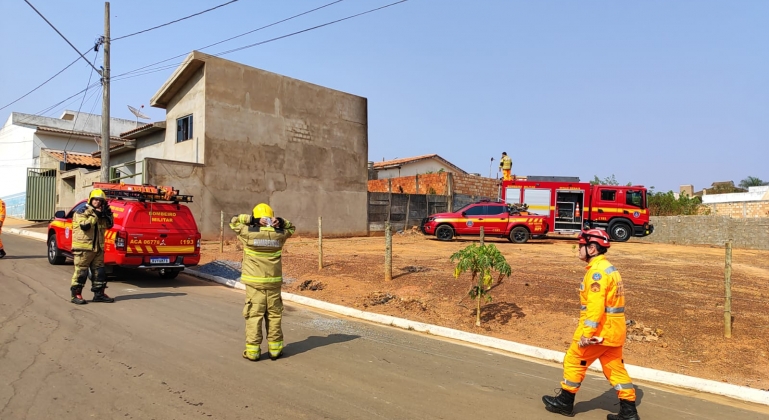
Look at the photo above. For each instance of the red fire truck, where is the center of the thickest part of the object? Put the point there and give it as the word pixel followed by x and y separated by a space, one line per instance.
pixel 153 230
pixel 569 205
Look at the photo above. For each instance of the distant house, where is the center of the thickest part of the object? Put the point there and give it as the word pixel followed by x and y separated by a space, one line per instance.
pixel 411 166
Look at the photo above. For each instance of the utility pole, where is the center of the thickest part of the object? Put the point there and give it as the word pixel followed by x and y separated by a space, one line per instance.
pixel 105 120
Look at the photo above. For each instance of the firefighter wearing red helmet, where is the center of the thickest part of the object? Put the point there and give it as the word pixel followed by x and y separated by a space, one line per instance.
pixel 600 333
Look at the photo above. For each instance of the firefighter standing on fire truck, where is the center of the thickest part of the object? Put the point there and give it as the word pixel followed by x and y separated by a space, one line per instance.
pixel 89 225
pixel 600 333
pixel 506 165
pixel 2 220
pixel 262 236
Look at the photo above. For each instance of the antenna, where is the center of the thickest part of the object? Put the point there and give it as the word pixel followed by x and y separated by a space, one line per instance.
pixel 138 114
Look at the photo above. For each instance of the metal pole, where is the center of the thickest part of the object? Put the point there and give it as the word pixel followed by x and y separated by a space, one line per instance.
pixel 221 234
pixel 105 120
pixel 728 290
pixel 320 243
pixel 408 204
pixel 388 252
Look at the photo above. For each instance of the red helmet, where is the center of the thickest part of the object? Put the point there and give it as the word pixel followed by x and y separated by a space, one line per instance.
pixel 594 235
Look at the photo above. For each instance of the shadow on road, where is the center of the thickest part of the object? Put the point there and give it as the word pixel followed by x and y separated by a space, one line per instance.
pixel 606 401
pixel 151 280
pixel 147 296
pixel 314 342
pixel 25 257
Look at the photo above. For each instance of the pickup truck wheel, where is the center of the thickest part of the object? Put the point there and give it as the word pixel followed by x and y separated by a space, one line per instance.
pixel 620 232
pixel 519 235
pixel 444 233
pixel 167 273
pixel 55 256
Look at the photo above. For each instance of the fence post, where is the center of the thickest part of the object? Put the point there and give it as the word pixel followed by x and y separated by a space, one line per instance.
pixel 728 290
pixel 408 204
pixel 320 243
pixel 388 252
pixel 221 233
pixel 482 235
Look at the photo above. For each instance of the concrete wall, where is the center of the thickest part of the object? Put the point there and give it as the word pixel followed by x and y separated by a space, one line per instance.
pixel 740 209
pixel 73 186
pixel 710 230
pixel 150 146
pixel 300 147
pixel 411 169
pixel 191 99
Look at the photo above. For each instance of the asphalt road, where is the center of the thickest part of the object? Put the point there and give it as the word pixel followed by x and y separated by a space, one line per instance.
pixel 171 349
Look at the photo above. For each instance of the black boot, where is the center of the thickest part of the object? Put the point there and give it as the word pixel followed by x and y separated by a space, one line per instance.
pixel 561 403
pixel 2 253
pixel 77 296
pixel 100 296
pixel 627 411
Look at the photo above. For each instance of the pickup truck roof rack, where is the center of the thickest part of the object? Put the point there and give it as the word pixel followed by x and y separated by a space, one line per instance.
pixel 142 192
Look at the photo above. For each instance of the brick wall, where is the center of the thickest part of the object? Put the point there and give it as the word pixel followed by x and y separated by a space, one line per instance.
pixel 750 233
pixel 437 184
pixel 740 209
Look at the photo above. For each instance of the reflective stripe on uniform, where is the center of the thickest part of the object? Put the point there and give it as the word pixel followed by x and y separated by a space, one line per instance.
pixel 615 310
pixel 591 324
pixel 263 254
pixel 572 384
pixel 276 345
pixel 620 387
pixel 610 270
pixel 255 279
pixel 252 348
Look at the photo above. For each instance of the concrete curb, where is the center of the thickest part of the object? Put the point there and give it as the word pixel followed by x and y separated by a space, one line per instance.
pixel 27 233
pixel 737 392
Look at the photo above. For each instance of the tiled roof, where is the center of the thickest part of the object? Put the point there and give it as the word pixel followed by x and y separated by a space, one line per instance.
pixel 145 129
pixel 402 161
pixel 74 133
pixel 75 158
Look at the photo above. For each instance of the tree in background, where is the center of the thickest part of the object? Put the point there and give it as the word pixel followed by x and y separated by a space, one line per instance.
pixel 752 181
pixel 666 204
pixel 609 180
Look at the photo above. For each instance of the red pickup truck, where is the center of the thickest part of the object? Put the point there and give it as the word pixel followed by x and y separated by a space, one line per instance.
pixel 497 220
pixel 153 230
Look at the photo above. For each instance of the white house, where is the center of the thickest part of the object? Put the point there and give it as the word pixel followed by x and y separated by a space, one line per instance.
pixel 414 166
pixel 24 135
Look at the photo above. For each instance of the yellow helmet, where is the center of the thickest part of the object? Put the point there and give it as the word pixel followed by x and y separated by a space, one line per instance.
pixel 97 193
pixel 263 210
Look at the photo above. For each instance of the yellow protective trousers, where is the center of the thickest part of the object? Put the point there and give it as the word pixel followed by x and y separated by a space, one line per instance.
pixel 506 175
pixel 264 305
pixel 93 260
pixel 578 359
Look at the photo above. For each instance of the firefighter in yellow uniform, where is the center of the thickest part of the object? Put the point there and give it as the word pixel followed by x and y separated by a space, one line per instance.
pixel 2 220
pixel 89 225
pixel 506 165
pixel 600 333
pixel 263 236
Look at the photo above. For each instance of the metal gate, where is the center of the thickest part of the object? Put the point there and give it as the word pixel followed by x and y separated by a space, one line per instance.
pixel 41 194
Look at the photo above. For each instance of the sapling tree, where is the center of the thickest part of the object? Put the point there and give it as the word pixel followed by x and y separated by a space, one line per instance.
pixel 482 262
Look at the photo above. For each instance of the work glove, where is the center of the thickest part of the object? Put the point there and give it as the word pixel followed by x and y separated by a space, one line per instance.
pixel 584 341
pixel 85 227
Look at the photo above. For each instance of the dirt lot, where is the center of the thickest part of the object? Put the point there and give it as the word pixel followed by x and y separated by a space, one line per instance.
pixel 675 291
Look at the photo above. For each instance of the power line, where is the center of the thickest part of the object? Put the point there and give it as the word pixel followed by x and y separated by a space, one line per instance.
pixel 40 85
pixel 64 37
pixel 173 21
pixel 234 37
pixel 128 75
pixel 74 123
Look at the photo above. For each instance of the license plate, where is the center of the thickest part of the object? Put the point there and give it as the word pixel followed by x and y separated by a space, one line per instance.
pixel 160 260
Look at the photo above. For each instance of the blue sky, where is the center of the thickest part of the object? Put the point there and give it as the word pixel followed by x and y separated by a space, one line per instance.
pixel 660 93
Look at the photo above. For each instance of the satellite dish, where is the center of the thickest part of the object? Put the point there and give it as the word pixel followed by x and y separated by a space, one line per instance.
pixel 138 113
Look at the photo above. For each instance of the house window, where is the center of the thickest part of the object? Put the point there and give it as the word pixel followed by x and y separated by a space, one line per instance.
pixel 184 128
pixel 608 195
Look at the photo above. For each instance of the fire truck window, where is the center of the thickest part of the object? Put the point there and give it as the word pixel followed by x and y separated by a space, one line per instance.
pixel 476 211
pixel 608 195
pixel 494 210
pixel 635 199
pixel 74 209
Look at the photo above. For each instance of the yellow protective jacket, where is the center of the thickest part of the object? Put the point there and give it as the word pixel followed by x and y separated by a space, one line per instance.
pixel 506 162
pixel 262 250
pixel 602 296
pixel 88 229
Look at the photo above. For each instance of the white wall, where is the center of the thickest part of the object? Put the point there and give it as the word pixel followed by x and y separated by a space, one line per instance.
pixel 411 169
pixel 753 194
pixel 16 155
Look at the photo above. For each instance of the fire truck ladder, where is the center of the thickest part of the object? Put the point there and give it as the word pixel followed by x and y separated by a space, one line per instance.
pixel 142 193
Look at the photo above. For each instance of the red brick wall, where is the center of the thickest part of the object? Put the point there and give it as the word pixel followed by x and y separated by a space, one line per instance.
pixel 437 184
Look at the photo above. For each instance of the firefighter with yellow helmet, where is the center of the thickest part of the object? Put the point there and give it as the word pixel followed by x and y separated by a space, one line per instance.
pixel 600 333
pixel 506 165
pixel 89 225
pixel 263 236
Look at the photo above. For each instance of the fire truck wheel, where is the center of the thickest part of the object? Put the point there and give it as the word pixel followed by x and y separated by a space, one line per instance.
pixel 166 273
pixel 55 256
pixel 519 235
pixel 444 233
pixel 620 231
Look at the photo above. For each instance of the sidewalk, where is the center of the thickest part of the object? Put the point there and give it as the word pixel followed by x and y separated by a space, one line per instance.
pixel 34 230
